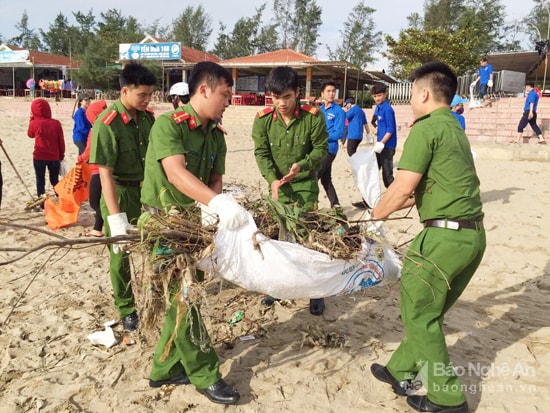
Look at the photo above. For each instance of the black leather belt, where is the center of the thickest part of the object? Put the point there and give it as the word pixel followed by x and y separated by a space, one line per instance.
pixel 454 224
pixel 128 183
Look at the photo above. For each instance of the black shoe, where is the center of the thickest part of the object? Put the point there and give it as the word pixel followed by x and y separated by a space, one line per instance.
pixel 317 306
pixel 361 205
pixel 130 322
pixel 269 300
pixel 221 392
pixel 423 404
pixel 383 374
pixel 176 381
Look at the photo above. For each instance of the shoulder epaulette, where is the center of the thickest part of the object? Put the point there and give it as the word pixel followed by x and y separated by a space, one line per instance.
pixel 180 116
pixel 310 109
pixel 108 118
pixel 265 111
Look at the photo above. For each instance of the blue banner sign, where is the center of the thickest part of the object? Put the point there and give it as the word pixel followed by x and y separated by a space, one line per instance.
pixel 149 51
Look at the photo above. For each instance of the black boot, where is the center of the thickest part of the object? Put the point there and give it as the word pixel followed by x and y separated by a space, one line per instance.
pixel 317 306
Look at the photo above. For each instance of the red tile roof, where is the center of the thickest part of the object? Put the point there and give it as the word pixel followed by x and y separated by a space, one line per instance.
pixel 48 59
pixel 282 56
pixel 194 56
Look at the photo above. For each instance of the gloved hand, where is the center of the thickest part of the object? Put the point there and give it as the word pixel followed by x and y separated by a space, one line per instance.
pixel 378 147
pixel 374 228
pixel 490 83
pixel 231 214
pixel 118 223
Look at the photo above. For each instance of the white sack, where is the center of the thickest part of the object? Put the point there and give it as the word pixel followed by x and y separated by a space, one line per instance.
pixel 364 168
pixel 286 270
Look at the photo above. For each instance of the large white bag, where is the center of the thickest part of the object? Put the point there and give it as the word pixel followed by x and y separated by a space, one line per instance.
pixel 286 270
pixel 364 168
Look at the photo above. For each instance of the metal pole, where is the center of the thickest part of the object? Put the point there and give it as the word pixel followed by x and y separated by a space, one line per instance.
pixel 546 49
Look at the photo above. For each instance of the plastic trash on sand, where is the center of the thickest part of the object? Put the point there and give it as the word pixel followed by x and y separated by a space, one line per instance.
pixel 104 338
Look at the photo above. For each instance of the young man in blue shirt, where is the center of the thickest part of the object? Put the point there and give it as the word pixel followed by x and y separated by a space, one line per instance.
pixel 357 121
pixel 485 79
pixel 530 114
pixel 457 109
pixel 386 134
pixel 334 117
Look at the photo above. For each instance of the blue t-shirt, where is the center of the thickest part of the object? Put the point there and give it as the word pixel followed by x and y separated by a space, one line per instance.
pixel 532 97
pixel 460 119
pixel 385 120
pixel 334 117
pixel 356 120
pixel 485 74
pixel 82 126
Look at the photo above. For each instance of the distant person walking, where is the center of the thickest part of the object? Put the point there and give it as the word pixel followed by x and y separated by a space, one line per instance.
pixel 82 125
pixel 530 114
pixel 485 79
pixel 49 144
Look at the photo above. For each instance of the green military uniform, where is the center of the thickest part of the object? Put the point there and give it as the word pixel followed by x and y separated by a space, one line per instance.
pixel 440 261
pixel 120 142
pixel 180 132
pixel 277 146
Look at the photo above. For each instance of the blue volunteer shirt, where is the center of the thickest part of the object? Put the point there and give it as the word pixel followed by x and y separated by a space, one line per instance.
pixel 334 117
pixel 357 120
pixel 460 119
pixel 485 74
pixel 532 97
pixel 385 120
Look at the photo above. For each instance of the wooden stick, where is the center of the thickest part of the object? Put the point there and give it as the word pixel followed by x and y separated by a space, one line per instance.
pixel 15 169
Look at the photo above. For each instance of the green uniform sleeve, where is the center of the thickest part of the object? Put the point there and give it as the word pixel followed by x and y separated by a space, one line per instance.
pixel 319 142
pixel 104 150
pixel 262 150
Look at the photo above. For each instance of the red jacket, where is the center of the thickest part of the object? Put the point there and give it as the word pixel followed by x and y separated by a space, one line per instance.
pixel 92 113
pixel 49 143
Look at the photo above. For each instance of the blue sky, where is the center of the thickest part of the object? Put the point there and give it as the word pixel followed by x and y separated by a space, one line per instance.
pixel 390 15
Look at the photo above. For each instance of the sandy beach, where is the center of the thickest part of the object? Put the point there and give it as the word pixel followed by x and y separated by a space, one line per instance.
pixel 50 301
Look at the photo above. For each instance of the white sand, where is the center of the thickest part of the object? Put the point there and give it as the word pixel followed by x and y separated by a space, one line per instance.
pixel 498 333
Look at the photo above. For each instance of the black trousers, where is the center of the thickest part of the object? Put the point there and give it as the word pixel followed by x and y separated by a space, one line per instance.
pixel 325 175
pixel 385 162
pixel 95 196
pixel 352 146
pixel 533 122
pixel 40 173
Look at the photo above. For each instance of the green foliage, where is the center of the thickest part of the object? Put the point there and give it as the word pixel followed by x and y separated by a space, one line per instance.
pixel 304 31
pixel 359 38
pixel 415 47
pixel 192 28
pixel 457 32
pixel 27 38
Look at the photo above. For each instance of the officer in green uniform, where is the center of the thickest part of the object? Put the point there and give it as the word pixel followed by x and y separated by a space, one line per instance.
pixel 185 163
pixel 437 172
pixel 290 140
pixel 119 143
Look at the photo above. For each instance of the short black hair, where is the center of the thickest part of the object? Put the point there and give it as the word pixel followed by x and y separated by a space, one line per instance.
pixel 530 83
pixel 377 88
pixel 210 73
pixel 280 79
pixel 135 74
pixel 441 79
pixel 327 83
pixel 483 59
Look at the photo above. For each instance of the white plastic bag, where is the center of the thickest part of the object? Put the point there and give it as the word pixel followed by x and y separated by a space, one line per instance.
pixel 286 270
pixel 63 168
pixel 364 168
